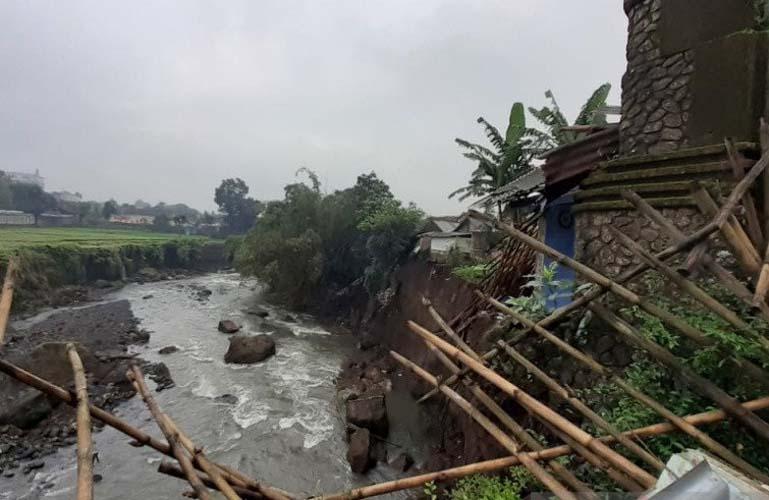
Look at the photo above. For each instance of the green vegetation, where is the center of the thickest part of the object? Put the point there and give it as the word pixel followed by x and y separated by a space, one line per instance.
pixel 554 120
pixel 508 158
pixel 472 273
pixel 311 247
pixel 655 380
pixel 53 257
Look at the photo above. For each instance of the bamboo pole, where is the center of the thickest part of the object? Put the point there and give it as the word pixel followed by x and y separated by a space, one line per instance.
pixel 518 431
pixel 140 438
pixel 727 278
pixel 497 464
pixel 641 397
pixel 172 470
pixel 762 286
pixel 697 382
pixel 732 231
pixel 503 439
pixel 621 479
pixel 581 407
pixel 763 133
pixel 590 295
pixel 449 331
pixel 7 297
pixel 198 454
pixel 691 288
pixel 615 459
pixel 84 442
pixel 633 298
pixel 137 378
pixel 736 160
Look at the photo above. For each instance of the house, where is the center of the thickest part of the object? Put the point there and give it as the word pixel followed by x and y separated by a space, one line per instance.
pixel 440 224
pixel 57 218
pixel 520 197
pixel 26 178
pixel 16 218
pixel 133 220
pixel 467 234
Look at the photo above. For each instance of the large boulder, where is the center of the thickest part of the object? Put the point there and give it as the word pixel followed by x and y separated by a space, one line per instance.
pixel 369 411
pixel 228 326
pixel 249 349
pixel 358 451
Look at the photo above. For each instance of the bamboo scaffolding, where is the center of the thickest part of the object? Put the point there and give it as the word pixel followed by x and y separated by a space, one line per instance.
pixel 84 442
pixel 140 438
pixel 581 407
pixel 697 382
pixel 497 464
pixel 763 134
pixel 710 443
pixel 7 297
pixel 172 470
pixel 503 439
pixel 737 162
pixel 690 288
pixel 727 278
pixel 615 459
pixel 449 331
pixel 197 453
pixel 517 430
pixel 137 378
pixel 633 298
pixel 732 231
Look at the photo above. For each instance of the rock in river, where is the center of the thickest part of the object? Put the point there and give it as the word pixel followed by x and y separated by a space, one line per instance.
pixel 369 411
pixel 358 451
pixel 228 326
pixel 168 349
pixel 249 349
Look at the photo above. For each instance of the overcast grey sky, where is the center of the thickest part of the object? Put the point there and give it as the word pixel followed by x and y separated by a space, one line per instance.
pixel 160 100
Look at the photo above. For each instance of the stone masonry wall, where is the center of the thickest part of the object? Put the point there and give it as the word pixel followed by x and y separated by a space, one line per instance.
pixel 656 94
pixel 597 248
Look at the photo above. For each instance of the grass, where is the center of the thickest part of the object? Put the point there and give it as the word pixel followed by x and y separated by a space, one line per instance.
pixel 14 239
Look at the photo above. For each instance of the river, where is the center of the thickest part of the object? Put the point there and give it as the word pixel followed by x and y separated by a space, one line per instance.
pixel 285 428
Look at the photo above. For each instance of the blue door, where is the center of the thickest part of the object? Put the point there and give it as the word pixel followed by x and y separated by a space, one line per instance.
pixel 559 234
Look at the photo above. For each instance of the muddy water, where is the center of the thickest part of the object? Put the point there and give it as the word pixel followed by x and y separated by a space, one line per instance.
pixel 285 427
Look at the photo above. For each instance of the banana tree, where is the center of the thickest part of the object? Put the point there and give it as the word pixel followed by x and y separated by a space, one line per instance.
pixel 554 120
pixel 507 158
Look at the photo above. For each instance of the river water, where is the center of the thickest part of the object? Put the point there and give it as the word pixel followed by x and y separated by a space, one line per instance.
pixel 285 428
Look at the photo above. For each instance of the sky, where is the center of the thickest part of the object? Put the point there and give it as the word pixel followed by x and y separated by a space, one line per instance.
pixel 160 100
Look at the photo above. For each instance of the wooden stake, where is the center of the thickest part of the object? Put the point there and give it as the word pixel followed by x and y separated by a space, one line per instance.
pixel 7 297
pixel 633 298
pixel 737 162
pixel 581 407
pixel 727 278
pixel 700 384
pixel 518 431
pixel 449 331
pixel 503 439
pixel 136 376
pixel 84 442
pixel 763 133
pixel 197 453
pixel 615 459
pixel 172 470
pixel 648 401
pixel 691 288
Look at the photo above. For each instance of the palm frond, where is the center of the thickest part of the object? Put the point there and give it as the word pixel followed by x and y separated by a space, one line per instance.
pixel 492 133
pixel 590 113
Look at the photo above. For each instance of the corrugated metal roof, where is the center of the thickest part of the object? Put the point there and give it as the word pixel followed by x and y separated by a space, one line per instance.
pixel 517 189
pixel 570 163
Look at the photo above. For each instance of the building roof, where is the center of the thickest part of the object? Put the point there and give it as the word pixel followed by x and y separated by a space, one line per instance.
pixel 567 165
pixel 518 190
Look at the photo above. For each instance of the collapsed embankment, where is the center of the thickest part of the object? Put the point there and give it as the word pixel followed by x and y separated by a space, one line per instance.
pixel 65 274
pixel 459 439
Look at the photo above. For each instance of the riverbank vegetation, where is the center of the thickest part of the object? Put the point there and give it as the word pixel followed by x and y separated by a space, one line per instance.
pixel 55 257
pixel 313 247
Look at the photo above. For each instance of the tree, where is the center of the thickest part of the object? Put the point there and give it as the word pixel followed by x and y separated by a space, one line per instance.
pixel 109 209
pixel 554 120
pixel 240 211
pixel 6 196
pixel 161 222
pixel 508 157
pixel 31 198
